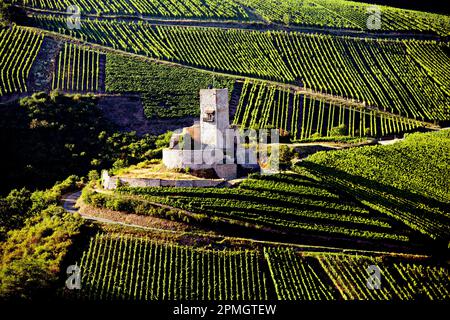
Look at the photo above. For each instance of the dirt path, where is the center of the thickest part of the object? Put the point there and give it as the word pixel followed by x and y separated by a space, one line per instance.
pixel 69 204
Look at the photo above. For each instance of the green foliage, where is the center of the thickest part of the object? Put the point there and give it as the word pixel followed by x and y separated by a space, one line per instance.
pixel 19 200
pixel 166 91
pixel 119 164
pixel 31 257
pixel 163 140
pixel 21 204
pixel 43 199
pixel 26 279
pixel 339 131
pixel 61 135
pixel 93 175
pixel 18 48
pixel 407 180
pixel 4 13
pixel 286 154
pixel 14 210
pixel 209 9
pixel 294 203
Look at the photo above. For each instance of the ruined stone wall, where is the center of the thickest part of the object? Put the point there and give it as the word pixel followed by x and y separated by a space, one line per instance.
pixel 111 183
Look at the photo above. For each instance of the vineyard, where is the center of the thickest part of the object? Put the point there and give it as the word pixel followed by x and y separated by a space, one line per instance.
pixel 217 9
pixel 348 15
pixel 316 13
pixel 18 49
pixel 434 58
pixel 297 202
pixel 265 106
pixel 364 155
pixel 379 73
pixel 166 91
pixel 399 280
pixel 131 268
pixel 123 267
pixel 77 69
pixel 295 277
pixel 407 181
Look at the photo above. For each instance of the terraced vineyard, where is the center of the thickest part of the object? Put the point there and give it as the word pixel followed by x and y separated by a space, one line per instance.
pixel 316 13
pixel 18 49
pixel 407 181
pixel 218 9
pixel 299 203
pixel 399 281
pixel 77 69
pixel 296 277
pixel 434 58
pixel 304 117
pixel 320 71
pixel 166 91
pixel 373 68
pixel 348 15
pixel 130 268
pixel 123 267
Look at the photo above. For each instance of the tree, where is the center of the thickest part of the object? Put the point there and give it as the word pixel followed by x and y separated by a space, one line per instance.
pixel 5 15
pixel 32 257
pixel 14 210
pixel 93 175
pixel 26 279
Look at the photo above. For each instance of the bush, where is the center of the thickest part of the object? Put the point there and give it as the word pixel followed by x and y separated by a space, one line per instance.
pixel 26 279
pixel 286 154
pixel 163 140
pixel 32 257
pixel 97 200
pixel 120 204
pixel 119 164
pixel 338 131
pixel 93 176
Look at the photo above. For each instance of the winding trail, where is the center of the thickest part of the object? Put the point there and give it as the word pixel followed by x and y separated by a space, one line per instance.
pixel 69 204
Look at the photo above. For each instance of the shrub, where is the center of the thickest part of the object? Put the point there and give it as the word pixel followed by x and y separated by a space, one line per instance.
pixel 93 175
pixel 338 131
pixel 32 257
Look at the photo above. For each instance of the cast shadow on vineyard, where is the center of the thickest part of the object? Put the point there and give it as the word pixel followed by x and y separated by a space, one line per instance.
pixel 395 200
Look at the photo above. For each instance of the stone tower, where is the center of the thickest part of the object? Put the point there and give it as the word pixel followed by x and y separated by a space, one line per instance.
pixel 214 116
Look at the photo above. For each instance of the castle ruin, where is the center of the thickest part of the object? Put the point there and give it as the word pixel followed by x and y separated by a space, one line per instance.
pixel 209 143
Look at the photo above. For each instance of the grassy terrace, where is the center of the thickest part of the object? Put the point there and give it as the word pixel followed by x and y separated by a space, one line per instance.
pixel 154 171
pixel 294 203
